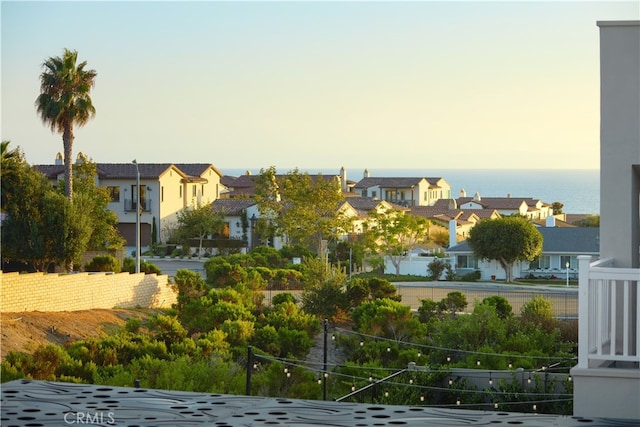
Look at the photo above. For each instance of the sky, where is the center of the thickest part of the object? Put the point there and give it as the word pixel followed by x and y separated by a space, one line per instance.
pixel 313 85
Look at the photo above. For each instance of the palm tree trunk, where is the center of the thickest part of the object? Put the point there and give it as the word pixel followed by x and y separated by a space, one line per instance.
pixel 67 142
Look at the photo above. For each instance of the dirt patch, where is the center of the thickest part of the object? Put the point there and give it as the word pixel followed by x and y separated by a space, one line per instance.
pixel 27 331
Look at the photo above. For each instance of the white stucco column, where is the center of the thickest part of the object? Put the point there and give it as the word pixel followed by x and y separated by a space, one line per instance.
pixel 620 141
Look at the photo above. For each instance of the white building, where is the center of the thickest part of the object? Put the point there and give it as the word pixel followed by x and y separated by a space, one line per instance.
pixel 607 376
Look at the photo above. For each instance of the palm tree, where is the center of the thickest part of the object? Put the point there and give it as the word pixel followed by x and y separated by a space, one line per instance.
pixel 64 102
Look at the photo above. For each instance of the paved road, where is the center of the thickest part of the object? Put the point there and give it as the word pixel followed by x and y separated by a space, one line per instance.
pixel 169 266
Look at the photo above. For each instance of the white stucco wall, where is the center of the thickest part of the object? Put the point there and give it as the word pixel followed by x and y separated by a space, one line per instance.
pixel 620 141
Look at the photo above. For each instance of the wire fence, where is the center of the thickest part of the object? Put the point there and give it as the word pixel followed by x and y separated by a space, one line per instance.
pixel 564 303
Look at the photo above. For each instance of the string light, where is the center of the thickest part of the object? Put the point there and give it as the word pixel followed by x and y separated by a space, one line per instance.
pixel 450 349
pixel 557 397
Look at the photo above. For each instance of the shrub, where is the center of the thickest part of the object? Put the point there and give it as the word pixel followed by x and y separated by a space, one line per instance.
pixel 471 277
pixel 436 268
pixel 129 265
pixel 103 263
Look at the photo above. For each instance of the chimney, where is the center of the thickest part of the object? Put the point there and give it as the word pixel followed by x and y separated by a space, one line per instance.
pixel 343 179
pixel 366 173
pixel 59 159
pixel 463 193
pixel 477 197
pixel 551 221
pixel 453 236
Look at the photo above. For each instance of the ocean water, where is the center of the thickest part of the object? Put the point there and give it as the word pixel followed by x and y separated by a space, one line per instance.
pixel 578 190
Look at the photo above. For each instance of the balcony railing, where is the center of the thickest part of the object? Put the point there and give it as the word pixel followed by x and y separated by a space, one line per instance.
pixel 130 205
pixel 609 324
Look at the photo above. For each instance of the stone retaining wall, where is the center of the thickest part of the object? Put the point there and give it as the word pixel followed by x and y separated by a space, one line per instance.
pixel 83 291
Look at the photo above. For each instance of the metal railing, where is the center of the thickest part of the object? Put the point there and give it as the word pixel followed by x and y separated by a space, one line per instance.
pixel 609 324
pixel 130 205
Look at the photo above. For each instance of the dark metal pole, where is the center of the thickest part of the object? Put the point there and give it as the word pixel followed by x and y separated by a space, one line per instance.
pixel 324 373
pixel 249 370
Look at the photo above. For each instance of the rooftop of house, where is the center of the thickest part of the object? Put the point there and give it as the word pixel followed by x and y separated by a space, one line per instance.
pixel 396 182
pixel 232 207
pixel 129 170
pixel 26 402
pixel 559 240
pixel 501 202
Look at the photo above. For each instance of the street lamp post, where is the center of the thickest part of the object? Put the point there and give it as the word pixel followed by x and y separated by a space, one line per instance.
pixel 567 265
pixel 137 216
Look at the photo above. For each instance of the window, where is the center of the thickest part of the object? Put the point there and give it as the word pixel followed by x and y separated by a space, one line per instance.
pixel 467 261
pixel 114 193
pixel 194 191
pixel 180 191
pixel 143 196
pixel 540 263
pixel 374 194
pixel 162 194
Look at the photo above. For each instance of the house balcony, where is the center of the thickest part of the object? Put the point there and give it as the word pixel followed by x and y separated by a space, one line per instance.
pixel 607 376
pixel 130 205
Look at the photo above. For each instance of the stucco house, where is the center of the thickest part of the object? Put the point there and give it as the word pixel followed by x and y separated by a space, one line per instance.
pixel 165 189
pixel 560 245
pixel 526 206
pixel 404 191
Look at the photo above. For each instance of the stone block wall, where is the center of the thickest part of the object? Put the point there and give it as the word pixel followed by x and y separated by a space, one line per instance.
pixel 83 291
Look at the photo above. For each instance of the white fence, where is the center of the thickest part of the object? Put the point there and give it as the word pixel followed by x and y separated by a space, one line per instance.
pixel 609 324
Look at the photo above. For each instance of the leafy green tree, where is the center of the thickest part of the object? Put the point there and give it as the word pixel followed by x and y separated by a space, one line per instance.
pixel 436 268
pixel 302 208
pixel 190 285
pixel 538 311
pixel 389 319
pixel 323 293
pixel 199 222
pixel 393 234
pixel 42 226
pixel 502 306
pixel 453 303
pixel 94 201
pixel 64 102
pixel 557 207
pixel 9 158
pixel 506 240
